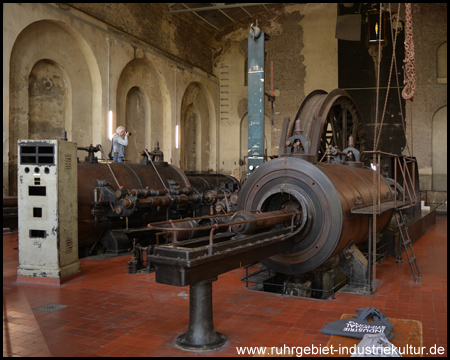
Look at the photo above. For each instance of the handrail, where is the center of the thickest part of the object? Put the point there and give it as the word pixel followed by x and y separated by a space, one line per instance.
pixel 408 179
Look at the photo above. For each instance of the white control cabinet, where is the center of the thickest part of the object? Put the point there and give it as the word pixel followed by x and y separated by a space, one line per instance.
pixel 48 211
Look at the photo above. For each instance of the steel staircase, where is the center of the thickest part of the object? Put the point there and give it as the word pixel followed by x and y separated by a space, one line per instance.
pixel 406 242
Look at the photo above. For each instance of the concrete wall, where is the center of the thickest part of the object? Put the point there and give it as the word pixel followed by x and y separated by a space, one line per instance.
pixel 64 69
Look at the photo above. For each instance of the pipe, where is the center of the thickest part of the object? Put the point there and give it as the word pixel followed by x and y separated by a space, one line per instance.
pixel 261 220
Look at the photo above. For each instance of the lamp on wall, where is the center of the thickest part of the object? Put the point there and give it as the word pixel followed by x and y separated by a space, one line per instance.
pixel 376 30
pixel 176 137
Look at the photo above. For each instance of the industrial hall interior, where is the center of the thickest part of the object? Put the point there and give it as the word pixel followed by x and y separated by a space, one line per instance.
pixel 224 179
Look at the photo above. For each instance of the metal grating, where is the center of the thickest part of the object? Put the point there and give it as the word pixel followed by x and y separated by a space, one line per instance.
pixel 50 307
pixel 215 17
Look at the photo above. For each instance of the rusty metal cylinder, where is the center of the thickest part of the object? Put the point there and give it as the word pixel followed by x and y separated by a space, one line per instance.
pixel 166 200
pixel 9 201
pixel 205 182
pixel 139 190
pixel 191 228
pixel 128 176
pixel 325 193
pixel 188 225
pixel 262 220
pixel 143 193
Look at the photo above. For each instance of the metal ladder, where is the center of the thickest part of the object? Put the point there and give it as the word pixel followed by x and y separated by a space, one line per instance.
pixel 406 241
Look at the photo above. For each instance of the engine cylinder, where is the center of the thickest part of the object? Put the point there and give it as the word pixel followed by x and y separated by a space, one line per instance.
pixel 325 194
pixel 129 176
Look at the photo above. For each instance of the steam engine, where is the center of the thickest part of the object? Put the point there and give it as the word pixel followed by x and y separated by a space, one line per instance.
pixel 292 215
pixel 295 214
pixel 324 195
pixel 117 200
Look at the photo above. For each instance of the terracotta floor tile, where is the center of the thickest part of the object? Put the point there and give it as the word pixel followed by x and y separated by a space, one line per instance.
pixel 113 313
pixel 118 353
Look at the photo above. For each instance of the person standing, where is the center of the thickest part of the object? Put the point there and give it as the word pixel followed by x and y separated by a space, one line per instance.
pixel 119 141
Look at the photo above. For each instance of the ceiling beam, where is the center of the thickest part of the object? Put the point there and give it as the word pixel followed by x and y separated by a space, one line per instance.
pixel 224 13
pixel 246 11
pixel 206 21
pixel 216 7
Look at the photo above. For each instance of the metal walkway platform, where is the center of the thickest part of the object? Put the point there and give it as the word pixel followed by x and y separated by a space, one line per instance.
pixel 384 206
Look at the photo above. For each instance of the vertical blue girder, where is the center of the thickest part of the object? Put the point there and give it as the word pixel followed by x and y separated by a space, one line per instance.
pixel 255 99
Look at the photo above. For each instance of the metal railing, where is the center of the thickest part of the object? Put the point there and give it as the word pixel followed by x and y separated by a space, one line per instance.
pixel 400 165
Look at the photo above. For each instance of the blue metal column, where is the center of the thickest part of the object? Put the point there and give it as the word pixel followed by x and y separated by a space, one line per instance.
pixel 255 99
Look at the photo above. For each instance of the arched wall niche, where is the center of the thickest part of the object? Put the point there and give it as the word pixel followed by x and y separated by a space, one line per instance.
pixel 191 139
pixel 48 99
pixel 37 50
pixel 197 130
pixel 137 122
pixel 439 150
pixel 140 106
pixel 441 66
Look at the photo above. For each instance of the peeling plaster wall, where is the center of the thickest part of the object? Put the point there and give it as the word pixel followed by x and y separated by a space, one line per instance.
pixel 303 50
pixel 320 51
pixel 47 91
pixel 175 35
pixel 99 64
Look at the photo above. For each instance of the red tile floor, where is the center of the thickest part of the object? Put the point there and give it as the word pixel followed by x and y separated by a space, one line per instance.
pixel 112 313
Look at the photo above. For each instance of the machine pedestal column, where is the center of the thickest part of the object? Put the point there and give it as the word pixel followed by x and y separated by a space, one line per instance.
pixel 200 335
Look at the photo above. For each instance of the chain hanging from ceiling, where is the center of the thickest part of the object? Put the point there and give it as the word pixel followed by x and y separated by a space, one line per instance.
pixel 409 67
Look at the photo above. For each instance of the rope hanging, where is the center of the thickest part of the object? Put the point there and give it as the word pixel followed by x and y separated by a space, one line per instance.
pixel 394 42
pixel 396 77
pixel 407 93
pixel 410 74
pixel 375 173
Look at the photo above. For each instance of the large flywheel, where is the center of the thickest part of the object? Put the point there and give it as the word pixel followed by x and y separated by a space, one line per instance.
pixel 329 119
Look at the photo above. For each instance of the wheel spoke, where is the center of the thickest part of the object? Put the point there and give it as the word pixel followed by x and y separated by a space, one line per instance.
pixel 329 119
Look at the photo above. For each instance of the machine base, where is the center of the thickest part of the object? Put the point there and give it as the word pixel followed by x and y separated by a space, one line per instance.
pixel 200 335
pixel 218 343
